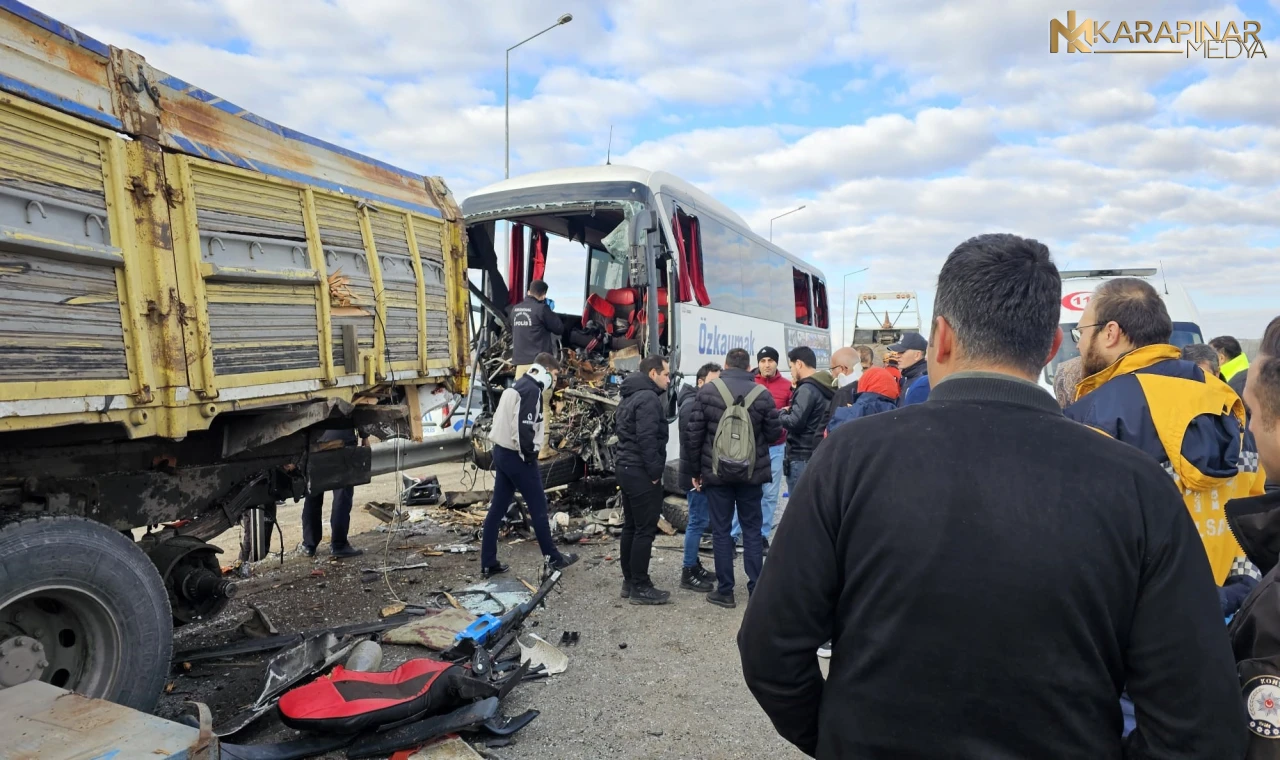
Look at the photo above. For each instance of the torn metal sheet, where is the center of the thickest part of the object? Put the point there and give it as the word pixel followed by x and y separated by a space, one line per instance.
pixel 494 597
pixel 536 651
pixel 292 666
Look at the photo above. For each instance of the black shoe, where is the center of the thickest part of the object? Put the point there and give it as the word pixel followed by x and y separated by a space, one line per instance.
pixel 703 573
pixel 309 551
pixel 564 561
pixel 647 594
pixel 344 551
pixel 498 569
pixel 691 580
pixel 626 589
pixel 722 599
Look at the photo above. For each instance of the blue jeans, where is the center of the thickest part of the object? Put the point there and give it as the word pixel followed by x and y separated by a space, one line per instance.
pixel 699 517
pixel 514 474
pixel 769 502
pixel 795 469
pixel 339 518
pixel 723 500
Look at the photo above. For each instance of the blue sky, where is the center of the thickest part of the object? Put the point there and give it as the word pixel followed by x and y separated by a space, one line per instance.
pixel 904 127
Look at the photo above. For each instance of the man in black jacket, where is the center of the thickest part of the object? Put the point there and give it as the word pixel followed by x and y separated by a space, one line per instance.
pixel 908 355
pixel 534 327
pixel 806 418
pixel 697 446
pixel 693 576
pixel 1255 522
pixel 641 424
pixel 995 603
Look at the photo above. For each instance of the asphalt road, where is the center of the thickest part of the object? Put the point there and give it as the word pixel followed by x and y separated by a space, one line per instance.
pixel 674 691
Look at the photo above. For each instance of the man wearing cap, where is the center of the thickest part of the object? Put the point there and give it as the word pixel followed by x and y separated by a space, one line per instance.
pixel 779 387
pixel 908 355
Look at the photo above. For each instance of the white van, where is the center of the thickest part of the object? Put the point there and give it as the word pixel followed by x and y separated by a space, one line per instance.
pixel 1078 286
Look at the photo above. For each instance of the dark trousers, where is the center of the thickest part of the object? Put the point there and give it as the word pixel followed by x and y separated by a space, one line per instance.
pixel 723 500
pixel 339 518
pixel 514 474
pixel 641 508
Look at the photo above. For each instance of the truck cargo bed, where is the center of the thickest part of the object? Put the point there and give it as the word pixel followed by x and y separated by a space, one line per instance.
pixel 167 256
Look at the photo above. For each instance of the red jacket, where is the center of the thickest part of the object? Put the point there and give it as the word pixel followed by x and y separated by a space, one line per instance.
pixel 780 388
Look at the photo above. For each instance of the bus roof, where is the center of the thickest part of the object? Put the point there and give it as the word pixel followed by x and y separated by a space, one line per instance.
pixel 655 181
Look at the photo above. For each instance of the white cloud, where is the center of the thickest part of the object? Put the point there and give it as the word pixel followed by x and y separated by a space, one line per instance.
pixel 1091 154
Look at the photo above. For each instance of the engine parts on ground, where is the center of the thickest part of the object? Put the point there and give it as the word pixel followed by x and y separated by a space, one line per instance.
pixel 304 660
pixel 420 492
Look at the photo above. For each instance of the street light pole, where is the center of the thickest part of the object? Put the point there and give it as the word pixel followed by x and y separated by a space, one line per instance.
pixel 844 305
pixel 566 18
pixel 779 216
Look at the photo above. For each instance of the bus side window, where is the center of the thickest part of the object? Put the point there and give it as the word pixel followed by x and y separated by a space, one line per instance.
pixel 820 314
pixel 804 304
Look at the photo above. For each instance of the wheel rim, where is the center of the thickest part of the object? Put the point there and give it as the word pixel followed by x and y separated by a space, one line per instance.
pixel 77 634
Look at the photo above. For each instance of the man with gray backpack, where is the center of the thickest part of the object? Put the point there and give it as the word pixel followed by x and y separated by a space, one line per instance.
pixel 725 447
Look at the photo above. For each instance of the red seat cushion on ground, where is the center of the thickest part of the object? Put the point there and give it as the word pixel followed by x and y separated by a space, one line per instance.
pixel 350 701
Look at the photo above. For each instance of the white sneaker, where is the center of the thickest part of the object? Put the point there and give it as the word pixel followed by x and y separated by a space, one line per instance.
pixel 824 651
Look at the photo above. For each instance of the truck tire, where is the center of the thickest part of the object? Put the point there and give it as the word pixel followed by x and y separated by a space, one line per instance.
pixel 86 602
pixel 676 510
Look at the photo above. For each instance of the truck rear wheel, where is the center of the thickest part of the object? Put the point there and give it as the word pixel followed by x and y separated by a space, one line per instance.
pixel 82 608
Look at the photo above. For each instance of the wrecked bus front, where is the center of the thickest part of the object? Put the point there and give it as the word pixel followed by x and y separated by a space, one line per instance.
pixel 663 267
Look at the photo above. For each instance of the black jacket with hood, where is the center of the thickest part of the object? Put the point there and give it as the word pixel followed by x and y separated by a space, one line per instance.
pixel 807 418
pixel 641 424
pixel 977 615
pixel 1255 630
pixel 684 405
pixel 697 438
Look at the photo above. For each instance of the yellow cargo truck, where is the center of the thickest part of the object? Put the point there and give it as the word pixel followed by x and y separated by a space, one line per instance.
pixel 190 295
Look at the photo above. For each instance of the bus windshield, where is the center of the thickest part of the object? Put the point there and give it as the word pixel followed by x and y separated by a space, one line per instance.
pixel 1184 334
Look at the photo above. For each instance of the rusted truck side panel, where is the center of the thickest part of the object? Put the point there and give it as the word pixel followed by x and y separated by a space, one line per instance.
pixel 48 62
pixel 227 262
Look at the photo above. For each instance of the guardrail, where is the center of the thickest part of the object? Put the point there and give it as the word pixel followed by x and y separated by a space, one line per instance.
pixel 400 454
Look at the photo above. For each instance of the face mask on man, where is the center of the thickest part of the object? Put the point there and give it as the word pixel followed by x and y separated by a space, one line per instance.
pixel 851 377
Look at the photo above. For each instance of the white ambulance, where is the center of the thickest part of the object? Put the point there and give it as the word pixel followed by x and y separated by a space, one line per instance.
pixel 1078 286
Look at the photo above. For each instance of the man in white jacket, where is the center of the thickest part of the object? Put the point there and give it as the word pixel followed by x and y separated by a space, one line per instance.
pixel 517 435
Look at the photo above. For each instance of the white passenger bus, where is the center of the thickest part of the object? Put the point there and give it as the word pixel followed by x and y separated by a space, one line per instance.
pixel 635 232
pixel 665 268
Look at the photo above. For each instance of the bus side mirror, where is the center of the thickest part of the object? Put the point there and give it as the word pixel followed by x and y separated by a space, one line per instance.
pixel 642 227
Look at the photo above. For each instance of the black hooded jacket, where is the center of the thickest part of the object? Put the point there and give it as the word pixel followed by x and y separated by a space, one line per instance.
pixel 697 438
pixel 807 418
pixel 641 425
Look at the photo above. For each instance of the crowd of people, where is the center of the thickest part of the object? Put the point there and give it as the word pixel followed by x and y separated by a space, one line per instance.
pixel 1092 575
pixel 1083 577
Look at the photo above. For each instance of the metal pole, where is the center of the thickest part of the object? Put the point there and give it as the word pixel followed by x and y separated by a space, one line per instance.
pixel 779 216
pixel 844 304
pixel 506 174
pixel 566 18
